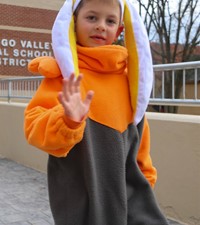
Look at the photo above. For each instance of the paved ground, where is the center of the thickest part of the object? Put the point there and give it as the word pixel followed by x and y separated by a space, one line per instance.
pixel 23 196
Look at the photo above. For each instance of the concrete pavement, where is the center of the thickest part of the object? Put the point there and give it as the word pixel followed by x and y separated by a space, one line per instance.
pixel 24 197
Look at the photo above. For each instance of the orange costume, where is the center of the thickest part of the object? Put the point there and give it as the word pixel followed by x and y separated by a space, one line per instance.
pixel 99 170
pixel 110 106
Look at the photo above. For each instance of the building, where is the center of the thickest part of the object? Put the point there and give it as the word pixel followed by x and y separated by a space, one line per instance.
pixel 25 33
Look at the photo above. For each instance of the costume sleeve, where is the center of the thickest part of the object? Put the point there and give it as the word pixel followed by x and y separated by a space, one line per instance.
pixel 144 158
pixel 45 124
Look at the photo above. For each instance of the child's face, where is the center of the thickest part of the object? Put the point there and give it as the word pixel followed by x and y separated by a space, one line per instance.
pixel 98 23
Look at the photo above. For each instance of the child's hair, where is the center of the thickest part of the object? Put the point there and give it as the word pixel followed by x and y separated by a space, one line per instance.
pixel 83 1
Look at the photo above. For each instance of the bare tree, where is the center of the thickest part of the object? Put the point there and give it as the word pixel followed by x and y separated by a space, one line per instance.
pixel 174 30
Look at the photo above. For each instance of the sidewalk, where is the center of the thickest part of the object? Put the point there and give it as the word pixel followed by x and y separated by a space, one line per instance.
pixel 24 197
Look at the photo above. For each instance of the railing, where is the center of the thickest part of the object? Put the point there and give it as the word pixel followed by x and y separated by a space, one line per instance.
pixel 23 88
pixel 20 88
pixel 188 74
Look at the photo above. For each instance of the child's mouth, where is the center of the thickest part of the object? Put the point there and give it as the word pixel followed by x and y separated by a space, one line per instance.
pixel 98 38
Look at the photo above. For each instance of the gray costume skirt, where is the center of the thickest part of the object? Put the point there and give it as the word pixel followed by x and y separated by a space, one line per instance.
pixel 100 183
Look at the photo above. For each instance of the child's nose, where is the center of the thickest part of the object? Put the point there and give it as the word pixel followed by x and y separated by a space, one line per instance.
pixel 101 26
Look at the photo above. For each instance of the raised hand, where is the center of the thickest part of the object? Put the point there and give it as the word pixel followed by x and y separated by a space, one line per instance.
pixel 75 108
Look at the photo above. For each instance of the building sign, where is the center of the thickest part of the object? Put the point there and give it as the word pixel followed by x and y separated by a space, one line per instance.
pixel 19 52
pixel 25 33
pixel 18 48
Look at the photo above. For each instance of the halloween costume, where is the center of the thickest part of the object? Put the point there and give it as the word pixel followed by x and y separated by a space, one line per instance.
pixel 99 170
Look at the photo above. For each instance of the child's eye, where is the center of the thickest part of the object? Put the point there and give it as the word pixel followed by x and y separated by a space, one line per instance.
pixel 111 21
pixel 91 18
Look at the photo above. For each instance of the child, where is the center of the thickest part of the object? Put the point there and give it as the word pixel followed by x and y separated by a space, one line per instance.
pixel 93 127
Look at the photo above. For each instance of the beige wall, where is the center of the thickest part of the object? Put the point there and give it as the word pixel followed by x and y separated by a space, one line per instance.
pixel 13 144
pixel 175 152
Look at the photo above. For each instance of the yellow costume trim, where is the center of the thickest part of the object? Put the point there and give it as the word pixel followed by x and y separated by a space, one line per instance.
pixel 72 39
pixel 133 70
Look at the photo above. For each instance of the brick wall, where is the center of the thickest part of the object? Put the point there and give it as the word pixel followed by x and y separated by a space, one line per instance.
pixel 25 33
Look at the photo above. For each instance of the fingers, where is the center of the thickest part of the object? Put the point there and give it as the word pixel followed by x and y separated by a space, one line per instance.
pixel 70 98
pixel 89 98
pixel 71 86
pixel 62 99
pixel 65 91
pixel 65 104
pixel 77 83
pixel 68 86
